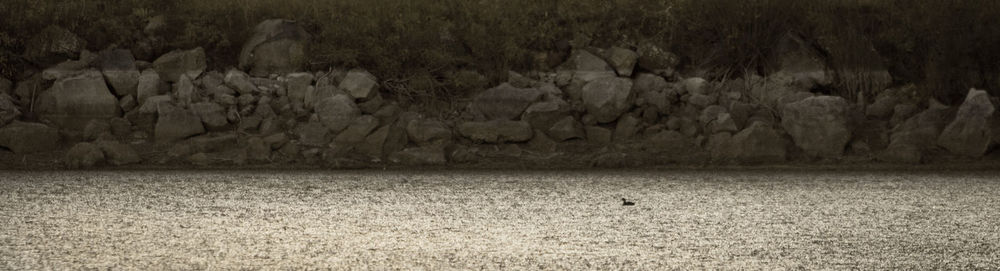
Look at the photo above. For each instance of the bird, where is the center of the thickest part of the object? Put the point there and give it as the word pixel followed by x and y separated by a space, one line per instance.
pixel 627 203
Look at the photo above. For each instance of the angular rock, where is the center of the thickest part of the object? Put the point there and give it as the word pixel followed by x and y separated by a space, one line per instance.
pixel 240 81
pixel 297 85
pixel 428 132
pixel 26 137
pixel 176 123
pixel 83 155
pixel 313 134
pixel 73 101
pixel 212 115
pixel 622 60
pixel 598 135
pixel 567 128
pixel 586 66
pixel 337 112
pixel 652 90
pixel 970 133
pixel 149 85
pixel 504 102
pixel 257 150
pixel 818 125
pixel 496 131
pixel 758 143
pixel 172 65
pixel 277 47
pixel 802 62
pixel 544 114
pixel 626 128
pixel 606 99
pixel 127 103
pixel 52 45
pixel 95 128
pixel 185 91
pixel 119 154
pixel 358 131
pixel 118 67
pixel 152 104
pixel 8 110
pixel 360 84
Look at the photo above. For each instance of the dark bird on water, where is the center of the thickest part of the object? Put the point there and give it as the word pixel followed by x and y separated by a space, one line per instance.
pixel 627 203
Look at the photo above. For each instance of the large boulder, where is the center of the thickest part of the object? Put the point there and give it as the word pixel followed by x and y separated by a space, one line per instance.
pixel 607 98
pixel 149 85
pixel 172 65
pixel 27 137
pixel 383 141
pixel 504 102
pixel 176 123
pixel 119 69
pixel 313 134
pixel 818 125
pixel 622 60
pixel 212 115
pixel 297 86
pixel 83 155
pixel 653 90
pixel 52 45
pixel 496 131
pixel 359 84
pixel 544 114
pixel 72 102
pixel 912 138
pixel 758 143
pixel 337 112
pixel 970 133
pixel 277 47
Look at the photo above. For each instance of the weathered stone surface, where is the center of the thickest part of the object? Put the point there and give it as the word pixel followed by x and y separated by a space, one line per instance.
pixel 430 155
pixel 758 143
pixel 337 112
pixel 504 102
pixel 83 155
pixel 657 60
pixel 149 85
pixel 276 141
pixel 52 45
pixel 496 131
pixel 818 125
pixel 970 133
pixel 184 91
pixel 212 115
pixel 313 134
pixel 606 99
pixel 119 154
pixel 674 147
pixel 69 68
pixel 542 143
pixel 802 62
pixel 127 103
pixel 26 137
pixel 586 66
pixel 240 81
pixel 544 114
pixel 73 101
pixel 358 131
pixel 172 65
pixel 901 153
pixel 598 135
pixel 152 104
pixel 257 150
pixel 622 60
pixel 95 128
pixel 297 85
pixel 120 127
pixel 652 90
pixel 428 132
pixel 567 128
pixel 277 47
pixel 8 110
pixel 374 143
pixel 176 123
pixel 695 85
pixel 118 67
pixel 626 128
pixel 910 139
pixel 360 84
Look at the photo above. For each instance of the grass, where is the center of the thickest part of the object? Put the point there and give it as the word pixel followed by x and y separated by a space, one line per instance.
pixel 491 219
pixel 949 46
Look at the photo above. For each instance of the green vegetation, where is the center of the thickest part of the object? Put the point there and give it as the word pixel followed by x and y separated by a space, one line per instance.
pixel 947 46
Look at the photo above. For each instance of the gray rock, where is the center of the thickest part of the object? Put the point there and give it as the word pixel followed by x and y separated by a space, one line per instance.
pixel 622 60
pixel 8 110
pixel 119 154
pixel 606 99
pixel 902 153
pixel 66 69
pixel 358 131
pixel 374 143
pixel 496 131
pixel 654 59
pixel 652 90
pixel 970 133
pixel 360 84
pixel 701 100
pixel 884 104
pixel 176 123
pixel 626 128
pixel 212 115
pixel 184 91
pixel 84 155
pixel 428 132
pixel 544 114
pixel 429 155
pixel 118 67
pixel 149 85
pixel 504 102
pixel 818 125
pixel 695 85
pixel 258 150
pixel 372 105
pixel 598 135
pixel 25 137
pixel 152 104
pixel 73 101
pixel 297 85
pixel 758 143
pixel 337 112
pixel 95 128
pixel 240 81
pixel 313 134
pixel 52 45
pixel 172 65
pixel 567 128
pixel 277 47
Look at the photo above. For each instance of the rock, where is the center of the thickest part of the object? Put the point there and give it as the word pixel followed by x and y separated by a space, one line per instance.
pixel 118 67
pixel 802 62
pixel 26 137
pixel 627 127
pixel 8 110
pixel 374 143
pixel 656 60
pixel 297 85
pixel 185 91
pixel 901 153
pixel 910 139
pixel 542 143
pixel 277 47
pixel 73 101
pixel 652 90
pixel 970 133
pixel 172 65
pixel 818 125
pixel 257 150
pixel 586 66
pixel 504 102
pixel 120 127
pixel 428 132
pixel 149 85
pixel 200 159
pixel 716 119
pixel 360 84
pixel 701 100
pixel 240 81
pixel 52 45
pixel 496 131
pixel 903 112
pixel 544 114
pixel 95 128
pixel 176 123
pixel 66 69
pixel 622 60
pixel 212 115
pixel 758 143
pixel 672 146
pixel 119 154
pixel 127 103
pixel 884 104
pixel 598 135
pixel 337 112
pixel 695 85
pixel 606 99
pixel 567 128
pixel 152 104
pixel 430 155
pixel 358 131
pixel 84 155
pixel 313 134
